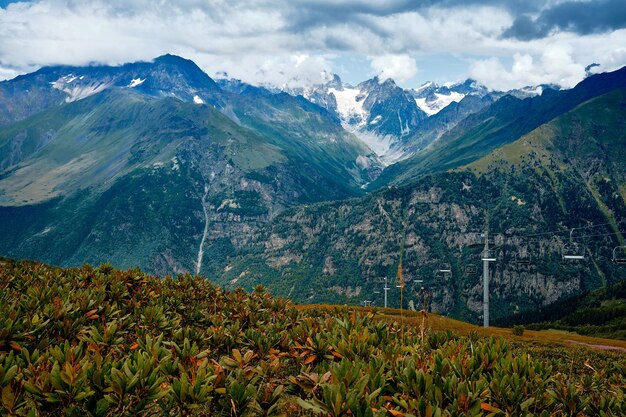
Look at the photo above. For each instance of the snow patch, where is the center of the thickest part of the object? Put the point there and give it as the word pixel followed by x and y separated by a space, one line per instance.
pixel 441 102
pixel 135 82
pixel 421 103
pixel 444 100
pixel 405 130
pixel 175 166
pixel 44 231
pixel 376 119
pixel 350 106
pixel 198 100
pixel 79 92
pixel 364 161
pixel 378 143
pixel 76 91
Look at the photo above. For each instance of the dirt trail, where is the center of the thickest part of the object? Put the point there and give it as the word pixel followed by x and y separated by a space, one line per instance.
pixel 601 347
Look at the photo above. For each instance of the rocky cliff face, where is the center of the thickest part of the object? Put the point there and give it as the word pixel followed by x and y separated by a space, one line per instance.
pixel 556 178
pixel 314 251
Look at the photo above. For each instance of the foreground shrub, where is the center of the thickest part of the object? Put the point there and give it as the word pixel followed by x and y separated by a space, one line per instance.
pixel 104 342
pixel 518 330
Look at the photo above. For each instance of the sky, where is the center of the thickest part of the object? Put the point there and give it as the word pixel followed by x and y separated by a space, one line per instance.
pixel 502 44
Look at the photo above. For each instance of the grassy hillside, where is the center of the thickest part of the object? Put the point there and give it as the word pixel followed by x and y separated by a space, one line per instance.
pixel 89 142
pixel 104 342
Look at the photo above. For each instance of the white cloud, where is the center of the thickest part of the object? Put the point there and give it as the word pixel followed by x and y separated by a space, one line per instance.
pixel 281 69
pixel 289 41
pixel 8 73
pixel 399 67
pixel 558 63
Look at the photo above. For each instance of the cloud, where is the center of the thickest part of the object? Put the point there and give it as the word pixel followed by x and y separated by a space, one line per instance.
pixel 581 17
pixel 294 41
pixel 555 66
pixel 399 67
pixel 280 70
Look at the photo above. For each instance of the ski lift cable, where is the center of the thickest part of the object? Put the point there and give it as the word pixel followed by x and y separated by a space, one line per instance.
pixel 565 231
pixel 604 234
pixel 562 231
pixel 584 237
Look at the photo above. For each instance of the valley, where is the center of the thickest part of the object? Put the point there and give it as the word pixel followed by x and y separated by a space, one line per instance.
pixel 318 193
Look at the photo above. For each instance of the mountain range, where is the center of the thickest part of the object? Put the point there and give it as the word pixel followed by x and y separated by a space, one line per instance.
pixel 318 192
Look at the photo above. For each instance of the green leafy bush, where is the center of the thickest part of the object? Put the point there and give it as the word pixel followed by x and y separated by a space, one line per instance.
pixel 105 342
pixel 518 330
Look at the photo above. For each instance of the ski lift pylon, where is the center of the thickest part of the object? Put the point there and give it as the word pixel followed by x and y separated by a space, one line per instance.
pixel 488 255
pixel 477 240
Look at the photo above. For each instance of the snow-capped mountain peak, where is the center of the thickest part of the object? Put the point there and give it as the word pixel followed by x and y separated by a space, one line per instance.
pixel 349 106
pixel 432 98
pixel 377 111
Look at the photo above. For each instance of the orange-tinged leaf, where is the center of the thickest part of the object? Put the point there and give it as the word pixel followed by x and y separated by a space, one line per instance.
pixel 15 346
pixel 337 355
pixel 396 413
pixel 91 312
pixel 134 346
pixel 310 359
pixel 490 408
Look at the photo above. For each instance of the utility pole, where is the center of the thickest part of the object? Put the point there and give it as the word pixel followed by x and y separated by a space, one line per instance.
pixel 486 282
pixel 386 288
pixel 486 259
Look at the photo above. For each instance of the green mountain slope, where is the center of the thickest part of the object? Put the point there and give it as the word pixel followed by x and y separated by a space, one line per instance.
pixel 567 173
pixel 501 123
pixel 126 177
pixel 239 191
pixel 89 142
